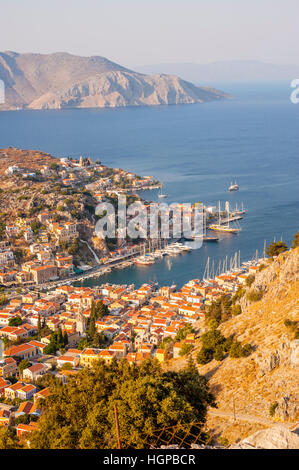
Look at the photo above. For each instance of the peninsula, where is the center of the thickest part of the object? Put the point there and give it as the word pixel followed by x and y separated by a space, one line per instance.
pixel 61 80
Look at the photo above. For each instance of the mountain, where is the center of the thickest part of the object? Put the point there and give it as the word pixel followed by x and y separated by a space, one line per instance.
pixel 226 71
pixel 61 80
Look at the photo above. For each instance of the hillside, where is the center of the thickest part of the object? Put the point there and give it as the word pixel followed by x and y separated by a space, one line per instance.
pixel 29 159
pixel 61 80
pixel 249 386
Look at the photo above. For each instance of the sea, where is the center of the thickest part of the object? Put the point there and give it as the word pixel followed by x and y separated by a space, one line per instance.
pixel 196 151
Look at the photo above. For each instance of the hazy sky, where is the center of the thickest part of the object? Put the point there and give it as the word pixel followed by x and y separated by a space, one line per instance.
pixel 137 32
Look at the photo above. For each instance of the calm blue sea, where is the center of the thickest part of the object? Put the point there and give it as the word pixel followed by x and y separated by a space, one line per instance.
pixel 196 150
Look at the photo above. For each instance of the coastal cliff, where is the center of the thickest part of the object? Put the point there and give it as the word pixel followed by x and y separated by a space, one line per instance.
pixel 61 80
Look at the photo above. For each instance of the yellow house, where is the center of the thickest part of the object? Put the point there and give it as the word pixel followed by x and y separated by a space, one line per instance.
pixel 106 356
pixel 89 356
pixel 161 355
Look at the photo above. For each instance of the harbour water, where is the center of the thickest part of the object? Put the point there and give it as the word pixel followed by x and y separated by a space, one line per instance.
pixel 196 151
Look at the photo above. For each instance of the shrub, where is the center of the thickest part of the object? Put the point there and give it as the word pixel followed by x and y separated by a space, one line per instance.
pixel 250 280
pixel 219 353
pixel 274 249
pixel 205 355
pixel 237 350
pixel 295 241
pixel 272 409
pixel 185 349
pixel 254 295
pixel 261 267
pixel 236 309
pixel 238 295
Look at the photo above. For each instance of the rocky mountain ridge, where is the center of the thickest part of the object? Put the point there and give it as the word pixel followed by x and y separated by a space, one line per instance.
pixel 61 80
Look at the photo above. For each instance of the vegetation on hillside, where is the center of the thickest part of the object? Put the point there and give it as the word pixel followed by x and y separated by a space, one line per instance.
pixel 81 413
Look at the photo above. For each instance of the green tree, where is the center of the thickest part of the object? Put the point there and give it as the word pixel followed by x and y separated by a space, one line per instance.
pixel 185 349
pixel 15 321
pixel 24 364
pixel 8 439
pixel 80 414
pixel 39 327
pixel 275 248
pixel 65 338
pixel 184 332
pixel 219 353
pixel 205 355
pixel 295 242
pixel 67 366
pixel 101 310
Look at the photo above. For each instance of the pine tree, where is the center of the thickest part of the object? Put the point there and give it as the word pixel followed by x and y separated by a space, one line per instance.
pixel 65 338
pixel 39 327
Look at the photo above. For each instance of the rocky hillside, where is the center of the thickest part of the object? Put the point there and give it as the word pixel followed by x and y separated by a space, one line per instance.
pixel 270 375
pixel 61 80
pixel 247 388
pixel 27 159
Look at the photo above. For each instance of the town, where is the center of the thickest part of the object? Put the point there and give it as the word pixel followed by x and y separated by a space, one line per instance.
pixel 56 334
pixel 47 226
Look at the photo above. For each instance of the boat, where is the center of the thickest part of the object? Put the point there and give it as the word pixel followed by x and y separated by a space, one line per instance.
pixel 144 260
pixel 233 187
pixel 161 195
pixel 204 237
pixel 220 227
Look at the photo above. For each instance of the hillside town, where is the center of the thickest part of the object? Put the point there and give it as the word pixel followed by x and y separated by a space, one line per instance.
pixel 58 333
pixel 47 226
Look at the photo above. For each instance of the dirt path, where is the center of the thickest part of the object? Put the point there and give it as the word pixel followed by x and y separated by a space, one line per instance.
pixel 242 417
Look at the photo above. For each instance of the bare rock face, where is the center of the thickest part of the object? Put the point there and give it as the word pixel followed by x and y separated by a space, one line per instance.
pixel 268 360
pixel 276 437
pixel 287 408
pixel 294 359
pixel 100 245
pixel 60 80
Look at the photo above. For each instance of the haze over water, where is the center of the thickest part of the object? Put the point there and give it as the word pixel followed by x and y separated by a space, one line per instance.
pixel 196 151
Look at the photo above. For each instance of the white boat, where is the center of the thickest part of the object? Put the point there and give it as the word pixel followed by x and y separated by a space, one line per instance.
pixel 233 187
pixel 144 260
pixel 161 195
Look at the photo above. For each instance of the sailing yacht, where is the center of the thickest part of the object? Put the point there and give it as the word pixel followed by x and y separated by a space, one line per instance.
pixel 233 187
pixel 161 195
pixel 221 227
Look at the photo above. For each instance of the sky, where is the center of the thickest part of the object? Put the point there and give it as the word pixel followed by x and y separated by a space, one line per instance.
pixel 141 32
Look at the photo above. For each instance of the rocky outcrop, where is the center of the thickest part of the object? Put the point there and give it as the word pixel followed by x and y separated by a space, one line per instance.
pixel 58 81
pixel 100 245
pixel 276 437
pixel 268 360
pixel 283 269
